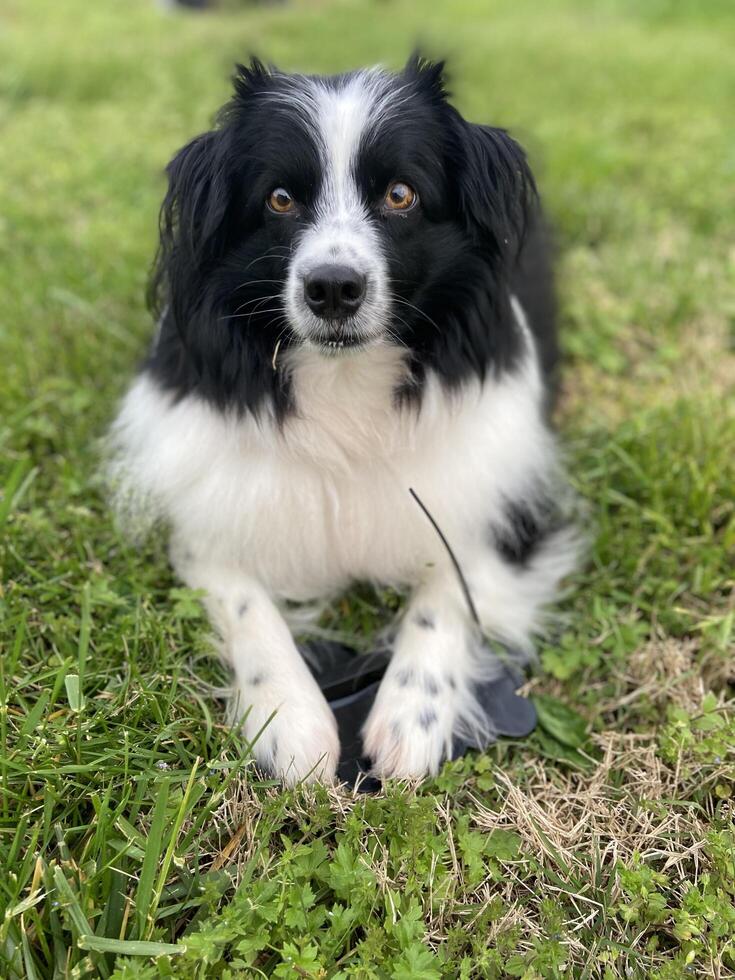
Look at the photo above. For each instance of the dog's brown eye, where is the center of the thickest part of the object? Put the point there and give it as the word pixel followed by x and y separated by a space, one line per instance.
pixel 281 201
pixel 400 197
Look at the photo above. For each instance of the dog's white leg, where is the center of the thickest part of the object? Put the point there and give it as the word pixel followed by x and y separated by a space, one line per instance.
pixel 300 741
pixel 426 695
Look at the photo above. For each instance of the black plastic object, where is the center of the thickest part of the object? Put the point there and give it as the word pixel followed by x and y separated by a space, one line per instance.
pixel 349 681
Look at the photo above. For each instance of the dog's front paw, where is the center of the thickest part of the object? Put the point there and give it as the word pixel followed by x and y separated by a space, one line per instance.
pixel 302 748
pixel 295 738
pixel 409 729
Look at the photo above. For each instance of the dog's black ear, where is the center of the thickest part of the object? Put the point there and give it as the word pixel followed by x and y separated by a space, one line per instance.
pixel 192 224
pixel 428 74
pixel 252 77
pixel 496 189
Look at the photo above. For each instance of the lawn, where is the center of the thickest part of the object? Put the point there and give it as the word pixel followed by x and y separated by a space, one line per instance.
pixel 135 838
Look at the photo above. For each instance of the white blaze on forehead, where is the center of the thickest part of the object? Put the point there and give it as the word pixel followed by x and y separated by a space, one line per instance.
pixel 339 116
pixel 345 115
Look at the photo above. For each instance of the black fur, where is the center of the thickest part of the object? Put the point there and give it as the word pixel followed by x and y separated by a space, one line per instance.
pixel 453 261
pixel 527 529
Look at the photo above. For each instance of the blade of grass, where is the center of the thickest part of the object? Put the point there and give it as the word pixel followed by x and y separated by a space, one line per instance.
pixel 130 947
pixel 152 854
pixel 78 918
pixel 21 477
pixel 173 836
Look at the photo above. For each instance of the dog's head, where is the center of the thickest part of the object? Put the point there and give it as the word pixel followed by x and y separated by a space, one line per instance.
pixel 337 213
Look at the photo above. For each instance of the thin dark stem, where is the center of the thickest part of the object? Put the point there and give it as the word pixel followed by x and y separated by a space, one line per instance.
pixel 458 570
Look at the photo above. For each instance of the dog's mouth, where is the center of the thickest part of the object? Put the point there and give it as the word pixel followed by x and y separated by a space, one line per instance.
pixel 342 345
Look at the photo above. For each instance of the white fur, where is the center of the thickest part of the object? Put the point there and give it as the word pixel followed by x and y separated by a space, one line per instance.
pixel 260 514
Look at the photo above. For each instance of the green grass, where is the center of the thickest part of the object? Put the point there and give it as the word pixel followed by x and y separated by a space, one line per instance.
pixel 130 820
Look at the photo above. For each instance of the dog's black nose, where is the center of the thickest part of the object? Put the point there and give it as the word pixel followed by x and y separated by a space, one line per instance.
pixel 334 291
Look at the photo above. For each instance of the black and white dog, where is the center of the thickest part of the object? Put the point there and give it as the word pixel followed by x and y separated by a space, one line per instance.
pixel 354 300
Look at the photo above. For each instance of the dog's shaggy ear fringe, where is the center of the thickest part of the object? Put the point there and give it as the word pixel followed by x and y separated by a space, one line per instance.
pixel 496 189
pixel 191 218
pixel 194 210
pixel 497 192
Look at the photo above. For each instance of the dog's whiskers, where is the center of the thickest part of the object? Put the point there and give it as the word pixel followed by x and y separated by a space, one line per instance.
pixel 262 312
pixel 417 309
pixel 271 253
pixel 251 302
pixel 393 335
pixel 256 282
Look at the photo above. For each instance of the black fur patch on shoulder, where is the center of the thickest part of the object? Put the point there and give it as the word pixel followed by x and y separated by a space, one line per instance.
pixel 524 532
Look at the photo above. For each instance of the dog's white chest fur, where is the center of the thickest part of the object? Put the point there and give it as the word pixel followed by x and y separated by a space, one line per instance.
pixel 325 500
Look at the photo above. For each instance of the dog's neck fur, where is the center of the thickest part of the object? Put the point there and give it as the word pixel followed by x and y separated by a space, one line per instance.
pixel 345 406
